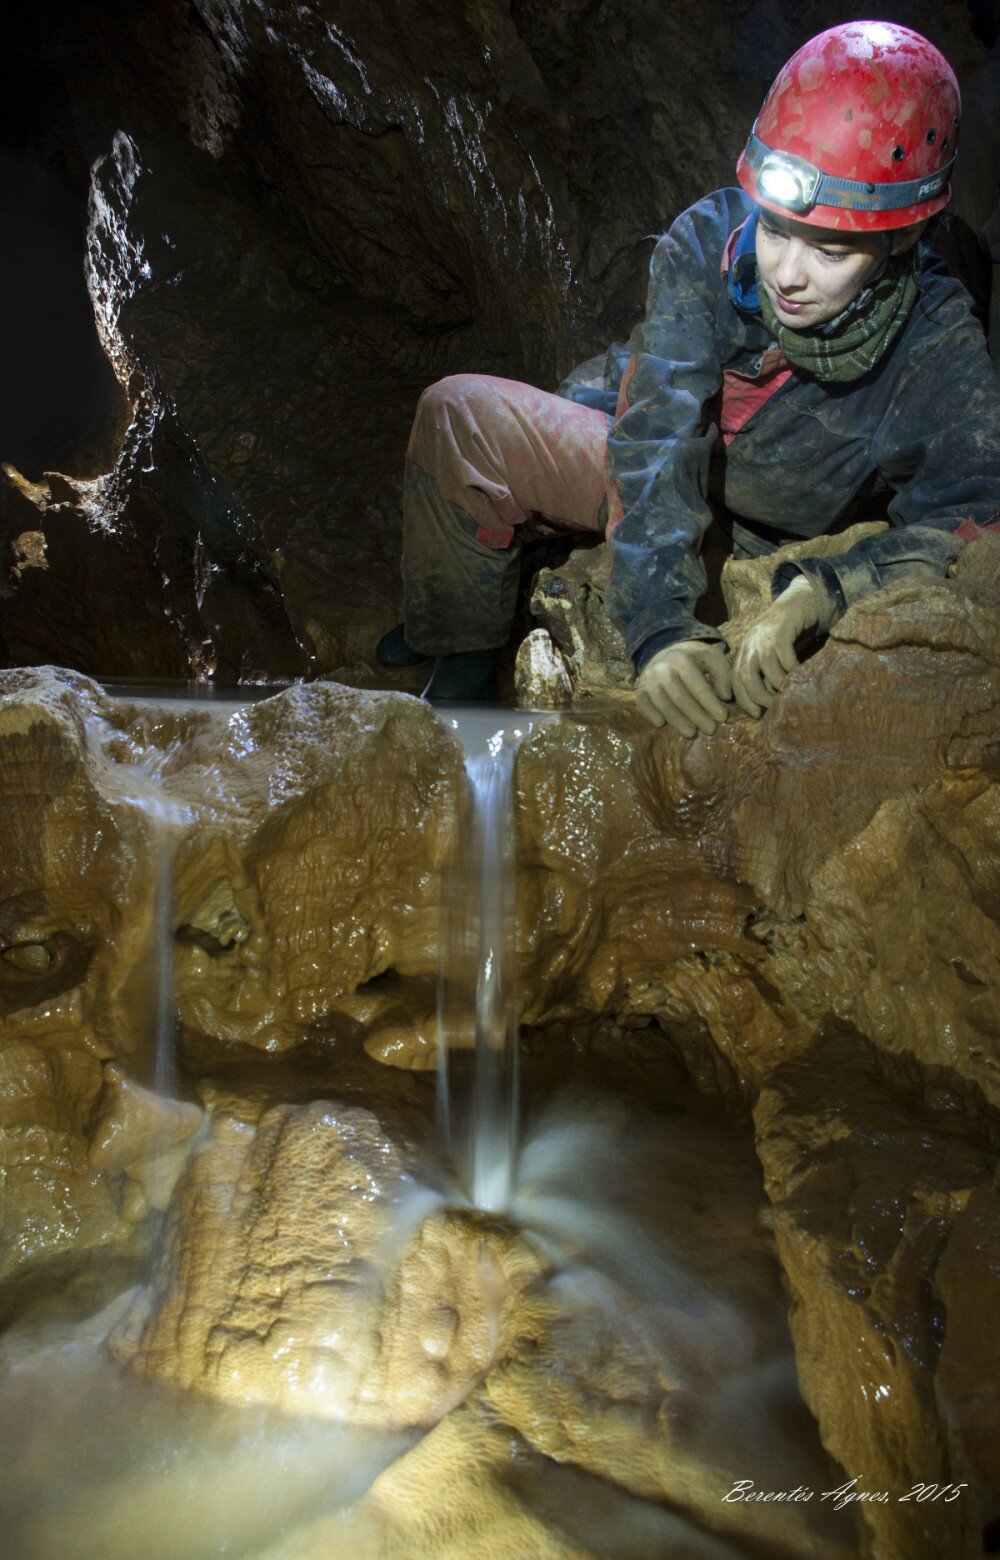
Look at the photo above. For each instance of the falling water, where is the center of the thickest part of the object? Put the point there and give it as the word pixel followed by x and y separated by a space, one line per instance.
pixel 144 789
pixel 495 1101
pixel 165 1037
pixel 143 778
pixel 477 989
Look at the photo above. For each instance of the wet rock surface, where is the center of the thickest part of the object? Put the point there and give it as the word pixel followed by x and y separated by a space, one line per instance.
pixel 632 1366
pixel 796 916
pixel 796 913
pixel 736 843
pixel 169 551
pixel 298 218
pixel 293 1274
pixel 96 824
pixel 871 1179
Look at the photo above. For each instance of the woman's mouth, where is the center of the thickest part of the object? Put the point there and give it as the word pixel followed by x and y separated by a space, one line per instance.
pixel 788 305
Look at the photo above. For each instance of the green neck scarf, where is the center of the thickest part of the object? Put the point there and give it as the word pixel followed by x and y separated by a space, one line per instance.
pixel 849 347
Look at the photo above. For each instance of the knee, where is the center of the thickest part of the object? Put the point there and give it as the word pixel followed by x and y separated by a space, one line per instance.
pixel 444 410
pixel 454 393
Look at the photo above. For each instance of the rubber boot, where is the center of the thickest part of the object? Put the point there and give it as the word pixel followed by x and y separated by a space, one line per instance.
pixel 392 650
pixel 467 676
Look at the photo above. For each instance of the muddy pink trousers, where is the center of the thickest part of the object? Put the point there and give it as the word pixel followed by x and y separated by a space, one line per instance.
pixel 485 457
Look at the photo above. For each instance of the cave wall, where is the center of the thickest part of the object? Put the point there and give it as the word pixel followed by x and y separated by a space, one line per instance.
pixel 298 217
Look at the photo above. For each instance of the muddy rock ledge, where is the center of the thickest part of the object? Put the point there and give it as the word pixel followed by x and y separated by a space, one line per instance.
pixel 799 913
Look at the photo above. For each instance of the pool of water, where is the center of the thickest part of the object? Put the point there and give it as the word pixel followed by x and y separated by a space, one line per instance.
pixel 663 1374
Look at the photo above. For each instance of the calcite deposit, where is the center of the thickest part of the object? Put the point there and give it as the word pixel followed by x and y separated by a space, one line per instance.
pixel 754 1230
pixel 781 855
pixel 291 880
pixel 871 1178
pixel 797 916
pixel 302 1268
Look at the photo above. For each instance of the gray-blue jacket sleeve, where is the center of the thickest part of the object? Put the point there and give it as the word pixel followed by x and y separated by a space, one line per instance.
pixel 660 444
pixel 595 383
pixel 938 448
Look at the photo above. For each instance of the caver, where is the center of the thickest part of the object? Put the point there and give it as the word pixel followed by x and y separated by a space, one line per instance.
pixel 802 351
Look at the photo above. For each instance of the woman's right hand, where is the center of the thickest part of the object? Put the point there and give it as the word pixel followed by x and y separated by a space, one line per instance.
pixel 684 687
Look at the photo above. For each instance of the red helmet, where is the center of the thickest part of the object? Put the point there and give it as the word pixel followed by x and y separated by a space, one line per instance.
pixel 858 132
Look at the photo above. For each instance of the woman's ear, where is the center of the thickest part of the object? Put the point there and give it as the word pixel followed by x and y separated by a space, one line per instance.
pixel 905 238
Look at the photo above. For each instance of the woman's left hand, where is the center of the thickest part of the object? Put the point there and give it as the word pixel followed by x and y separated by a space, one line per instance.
pixel 767 654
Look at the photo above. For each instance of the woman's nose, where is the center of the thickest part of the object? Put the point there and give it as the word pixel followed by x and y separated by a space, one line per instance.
pixel 790 272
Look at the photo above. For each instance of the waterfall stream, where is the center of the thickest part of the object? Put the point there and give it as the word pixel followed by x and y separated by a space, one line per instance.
pixel 165 1023
pixel 143 789
pixel 477 985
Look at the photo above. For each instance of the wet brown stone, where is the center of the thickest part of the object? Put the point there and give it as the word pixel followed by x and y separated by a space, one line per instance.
pixel 636 1391
pixel 801 909
pixel 244 815
pixel 585 646
pixel 293 1275
pixel 792 847
pixel 871 1182
pixel 186 607
pixel 966 1280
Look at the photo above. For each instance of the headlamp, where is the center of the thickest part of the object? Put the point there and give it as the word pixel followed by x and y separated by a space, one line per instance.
pixel 798 186
pixel 788 181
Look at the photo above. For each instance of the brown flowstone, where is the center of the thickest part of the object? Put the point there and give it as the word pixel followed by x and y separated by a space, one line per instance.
pixel 734 896
pixel 293 1275
pixel 966 1281
pixel 870 1183
pixel 782 854
pixel 294 881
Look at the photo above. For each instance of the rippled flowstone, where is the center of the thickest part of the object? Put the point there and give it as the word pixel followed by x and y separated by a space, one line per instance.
pixel 749 883
pixel 295 1274
pixel 872 1180
pixel 801 909
pixel 244 812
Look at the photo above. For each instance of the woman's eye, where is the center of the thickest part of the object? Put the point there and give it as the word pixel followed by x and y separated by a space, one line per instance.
pixel 834 254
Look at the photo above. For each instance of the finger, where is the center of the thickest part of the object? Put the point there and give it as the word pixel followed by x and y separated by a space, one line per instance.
pixel 679 723
pixel 784 651
pixel 749 671
pixel 719 674
pixel 742 696
pixel 695 682
pixel 773 672
pixel 656 707
pixel 688 707
pixel 647 709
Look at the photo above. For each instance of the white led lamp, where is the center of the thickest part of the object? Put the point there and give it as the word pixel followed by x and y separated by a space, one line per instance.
pixel 798 185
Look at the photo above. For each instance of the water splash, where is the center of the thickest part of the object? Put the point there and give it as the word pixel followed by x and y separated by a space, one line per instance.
pixel 168 1474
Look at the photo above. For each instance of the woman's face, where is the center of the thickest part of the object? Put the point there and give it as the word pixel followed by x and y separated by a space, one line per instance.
pixel 810 274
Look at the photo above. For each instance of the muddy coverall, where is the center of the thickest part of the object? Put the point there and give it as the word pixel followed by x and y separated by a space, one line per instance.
pixel 699 409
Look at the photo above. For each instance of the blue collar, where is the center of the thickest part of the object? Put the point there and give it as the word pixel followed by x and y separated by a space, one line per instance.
pixel 741 282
